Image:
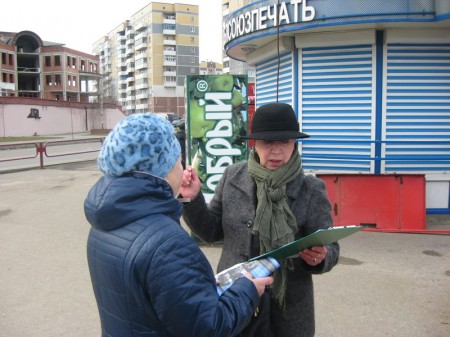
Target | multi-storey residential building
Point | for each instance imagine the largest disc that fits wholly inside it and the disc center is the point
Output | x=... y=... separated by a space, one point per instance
x=31 y=67
x=210 y=68
x=231 y=65
x=144 y=61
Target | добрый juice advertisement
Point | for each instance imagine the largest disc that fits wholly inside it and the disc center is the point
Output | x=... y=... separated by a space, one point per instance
x=216 y=118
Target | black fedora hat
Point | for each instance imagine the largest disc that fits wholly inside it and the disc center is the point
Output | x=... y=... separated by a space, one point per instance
x=275 y=121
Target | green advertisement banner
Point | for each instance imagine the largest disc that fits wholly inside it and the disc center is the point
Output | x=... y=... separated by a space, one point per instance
x=216 y=118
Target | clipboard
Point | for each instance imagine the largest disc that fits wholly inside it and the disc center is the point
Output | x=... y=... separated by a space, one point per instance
x=320 y=237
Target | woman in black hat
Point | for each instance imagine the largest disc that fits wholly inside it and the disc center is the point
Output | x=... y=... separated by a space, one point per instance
x=261 y=205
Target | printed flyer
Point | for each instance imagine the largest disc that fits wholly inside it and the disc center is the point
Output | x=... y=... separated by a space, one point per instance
x=216 y=118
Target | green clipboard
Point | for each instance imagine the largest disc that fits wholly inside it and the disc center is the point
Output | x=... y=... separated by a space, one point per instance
x=320 y=237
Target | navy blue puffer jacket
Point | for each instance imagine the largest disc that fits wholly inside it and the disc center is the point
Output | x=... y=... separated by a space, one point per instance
x=149 y=276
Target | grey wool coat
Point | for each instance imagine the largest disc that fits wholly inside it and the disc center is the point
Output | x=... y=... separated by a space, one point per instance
x=229 y=217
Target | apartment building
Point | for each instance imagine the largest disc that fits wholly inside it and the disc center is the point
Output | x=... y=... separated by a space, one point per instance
x=32 y=67
x=210 y=68
x=144 y=61
x=231 y=65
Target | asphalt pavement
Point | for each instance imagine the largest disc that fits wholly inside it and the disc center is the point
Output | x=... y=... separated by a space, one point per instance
x=385 y=284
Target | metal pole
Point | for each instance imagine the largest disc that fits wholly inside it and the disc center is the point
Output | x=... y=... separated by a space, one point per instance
x=41 y=150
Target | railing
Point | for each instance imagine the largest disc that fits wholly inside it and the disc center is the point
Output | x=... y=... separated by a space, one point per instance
x=51 y=149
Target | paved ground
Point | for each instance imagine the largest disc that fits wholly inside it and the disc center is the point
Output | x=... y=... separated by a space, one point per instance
x=386 y=284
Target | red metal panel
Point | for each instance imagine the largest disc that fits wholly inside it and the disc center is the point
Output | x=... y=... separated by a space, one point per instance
x=392 y=202
x=412 y=202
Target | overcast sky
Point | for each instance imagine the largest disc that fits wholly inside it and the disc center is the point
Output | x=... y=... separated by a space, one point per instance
x=80 y=23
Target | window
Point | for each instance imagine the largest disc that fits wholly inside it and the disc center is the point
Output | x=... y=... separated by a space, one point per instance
x=57 y=79
x=48 y=61
x=11 y=78
x=48 y=79
x=11 y=59
x=193 y=29
x=192 y=59
x=71 y=62
x=83 y=65
x=4 y=58
x=4 y=78
x=71 y=79
x=168 y=26
x=192 y=39
x=93 y=67
x=170 y=79
x=57 y=61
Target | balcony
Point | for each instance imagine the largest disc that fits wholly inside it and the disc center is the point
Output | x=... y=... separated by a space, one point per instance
x=141 y=76
x=143 y=106
x=121 y=47
x=168 y=52
x=129 y=61
x=129 y=33
x=140 y=26
x=169 y=63
x=139 y=56
x=170 y=73
x=130 y=50
x=141 y=65
x=141 y=46
x=169 y=21
x=142 y=86
x=170 y=42
x=170 y=84
x=141 y=35
x=131 y=97
x=130 y=106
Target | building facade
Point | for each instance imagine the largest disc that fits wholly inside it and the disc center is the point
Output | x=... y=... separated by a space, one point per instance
x=31 y=67
x=370 y=82
x=210 y=68
x=144 y=61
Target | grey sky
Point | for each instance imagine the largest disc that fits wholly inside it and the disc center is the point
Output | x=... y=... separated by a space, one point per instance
x=79 y=24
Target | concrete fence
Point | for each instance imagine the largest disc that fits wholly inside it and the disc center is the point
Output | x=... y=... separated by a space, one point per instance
x=23 y=117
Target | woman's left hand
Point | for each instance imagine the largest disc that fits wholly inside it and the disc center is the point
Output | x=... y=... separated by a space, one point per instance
x=313 y=256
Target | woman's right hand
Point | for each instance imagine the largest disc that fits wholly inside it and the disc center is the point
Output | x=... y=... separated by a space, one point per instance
x=190 y=187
